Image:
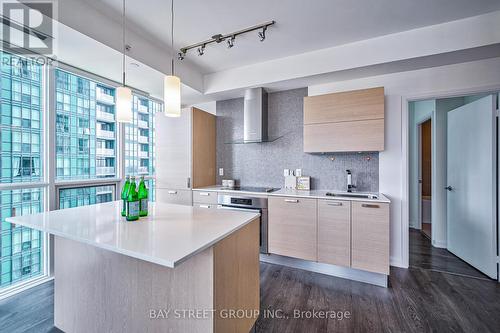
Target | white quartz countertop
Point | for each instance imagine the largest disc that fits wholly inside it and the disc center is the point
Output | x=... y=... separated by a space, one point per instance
x=314 y=194
x=168 y=236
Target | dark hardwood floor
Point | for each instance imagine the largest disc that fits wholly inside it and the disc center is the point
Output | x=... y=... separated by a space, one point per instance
x=418 y=300
x=424 y=255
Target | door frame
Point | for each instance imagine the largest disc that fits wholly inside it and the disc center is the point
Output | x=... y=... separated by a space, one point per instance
x=405 y=140
x=419 y=168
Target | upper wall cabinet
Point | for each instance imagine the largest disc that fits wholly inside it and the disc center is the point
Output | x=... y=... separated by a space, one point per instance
x=349 y=121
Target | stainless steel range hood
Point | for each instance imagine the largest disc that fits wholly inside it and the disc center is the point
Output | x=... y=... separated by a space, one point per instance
x=255 y=117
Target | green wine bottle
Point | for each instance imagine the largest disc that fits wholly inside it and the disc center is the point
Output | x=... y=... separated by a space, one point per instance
x=132 y=202
x=143 y=198
x=125 y=188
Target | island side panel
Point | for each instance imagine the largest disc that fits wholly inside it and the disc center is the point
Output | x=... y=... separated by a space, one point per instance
x=102 y=291
x=237 y=280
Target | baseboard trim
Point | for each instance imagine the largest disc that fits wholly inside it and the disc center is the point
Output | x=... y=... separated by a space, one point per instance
x=439 y=244
x=332 y=270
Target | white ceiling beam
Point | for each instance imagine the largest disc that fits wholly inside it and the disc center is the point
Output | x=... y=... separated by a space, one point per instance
x=472 y=32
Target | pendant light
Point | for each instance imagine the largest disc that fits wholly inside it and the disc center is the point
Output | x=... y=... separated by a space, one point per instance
x=172 y=83
x=123 y=93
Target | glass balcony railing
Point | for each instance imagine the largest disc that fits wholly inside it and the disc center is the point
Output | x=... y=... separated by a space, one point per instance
x=142 y=170
x=105 y=171
x=142 y=139
x=142 y=124
x=142 y=108
x=104 y=98
x=105 y=151
x=105 y=134
x=143 y=154
x=106 y=116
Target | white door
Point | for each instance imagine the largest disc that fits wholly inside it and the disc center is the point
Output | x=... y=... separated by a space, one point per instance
x=472 y=187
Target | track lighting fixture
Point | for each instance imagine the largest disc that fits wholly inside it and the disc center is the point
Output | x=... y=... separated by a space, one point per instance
x=229 y=38
x=201 y=50
x=230 y=42
x=262 y=34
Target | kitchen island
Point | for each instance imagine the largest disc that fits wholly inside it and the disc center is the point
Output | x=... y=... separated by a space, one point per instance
x=181 y=269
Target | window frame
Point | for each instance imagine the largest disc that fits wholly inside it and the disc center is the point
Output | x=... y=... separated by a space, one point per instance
x=48 y=183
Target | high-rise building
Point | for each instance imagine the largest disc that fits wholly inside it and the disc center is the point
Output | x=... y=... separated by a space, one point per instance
x=21 y=130
x=85 y=127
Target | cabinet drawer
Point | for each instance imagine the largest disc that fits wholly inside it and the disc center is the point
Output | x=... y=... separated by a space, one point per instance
x=205 y=197
x=179 y=197
x=205 y=205
x=370 y=237
x=293 y=227
x=334 y=232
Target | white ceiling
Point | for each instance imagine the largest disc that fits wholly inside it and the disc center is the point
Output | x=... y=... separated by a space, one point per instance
x=302 y=25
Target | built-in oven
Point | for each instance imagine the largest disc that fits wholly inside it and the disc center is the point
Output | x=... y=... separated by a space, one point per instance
x=248 y=204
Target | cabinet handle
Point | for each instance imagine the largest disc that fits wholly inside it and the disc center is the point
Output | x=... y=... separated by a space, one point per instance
x=292 y=200
x=369 y=206
x=172 y=192
x=204 y=206
x=188 y=183
x=206 y=194
x=334 y=204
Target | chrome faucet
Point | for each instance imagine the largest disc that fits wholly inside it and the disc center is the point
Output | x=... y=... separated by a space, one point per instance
x=350 y=186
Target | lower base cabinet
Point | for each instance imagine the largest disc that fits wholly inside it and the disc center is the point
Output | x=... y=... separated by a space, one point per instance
x=370 y=237
x=172 y=196
x=337 y=232
x=293 y=227
x=334 y=232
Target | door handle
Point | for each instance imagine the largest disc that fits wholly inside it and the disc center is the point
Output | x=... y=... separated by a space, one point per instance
x=448 y=188
x=206 y=194
x=292 y=200
x=334 y=204
x=172 y=192
x=369 y=206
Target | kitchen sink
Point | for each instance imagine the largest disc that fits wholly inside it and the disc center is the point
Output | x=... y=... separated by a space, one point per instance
x=353 y=195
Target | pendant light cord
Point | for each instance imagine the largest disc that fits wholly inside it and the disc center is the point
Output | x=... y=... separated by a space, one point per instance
x=172 y=34
x=123 y=43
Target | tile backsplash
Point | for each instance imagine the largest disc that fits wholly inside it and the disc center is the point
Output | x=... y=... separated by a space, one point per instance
x=262 y=164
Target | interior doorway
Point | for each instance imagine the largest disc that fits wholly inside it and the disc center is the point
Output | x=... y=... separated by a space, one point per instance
x=425 y=162
x=453 y=149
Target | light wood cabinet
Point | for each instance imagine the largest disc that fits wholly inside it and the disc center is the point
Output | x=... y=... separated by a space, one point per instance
x=185 y=153
x=344 y=122
x=334 y=232
x=293 y=227
x=370 y=237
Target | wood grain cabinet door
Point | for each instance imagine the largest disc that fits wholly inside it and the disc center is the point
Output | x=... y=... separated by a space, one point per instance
x=334 y=232
x=293 y=227
x=370 y=237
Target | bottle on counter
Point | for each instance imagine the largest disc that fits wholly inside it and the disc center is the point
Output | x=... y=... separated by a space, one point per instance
x=143 y=198
x=132 y=202
x=124 y=195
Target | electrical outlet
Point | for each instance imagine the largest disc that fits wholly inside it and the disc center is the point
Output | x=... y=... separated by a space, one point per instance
x=221 y=171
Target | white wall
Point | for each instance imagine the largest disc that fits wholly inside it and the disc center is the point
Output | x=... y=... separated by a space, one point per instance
x=427 y=83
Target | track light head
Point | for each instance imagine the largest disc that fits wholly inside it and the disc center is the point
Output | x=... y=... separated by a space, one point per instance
x=262 y=34
x=181 y=55
x=230 y=42
x=201 y=50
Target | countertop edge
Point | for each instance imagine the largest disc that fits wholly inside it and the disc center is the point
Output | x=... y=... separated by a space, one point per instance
x=282 y=193
x=153 y=260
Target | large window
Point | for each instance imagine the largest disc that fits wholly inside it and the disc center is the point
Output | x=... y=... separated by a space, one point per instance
x=86 y=140
x=86 y=128
x=21 y=171
x=83 y=196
